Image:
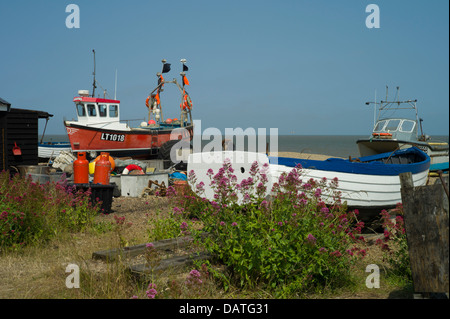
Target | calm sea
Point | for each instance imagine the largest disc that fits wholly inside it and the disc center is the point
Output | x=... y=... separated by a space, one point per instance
x=333 y=145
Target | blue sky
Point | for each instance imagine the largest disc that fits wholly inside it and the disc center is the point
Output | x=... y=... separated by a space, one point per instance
x=302 y=66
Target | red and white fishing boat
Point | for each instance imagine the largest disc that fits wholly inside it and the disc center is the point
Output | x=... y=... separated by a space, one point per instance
x=98 y=127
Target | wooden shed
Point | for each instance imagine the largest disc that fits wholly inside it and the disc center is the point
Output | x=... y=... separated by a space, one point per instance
x=19 y=135
x=4 y=110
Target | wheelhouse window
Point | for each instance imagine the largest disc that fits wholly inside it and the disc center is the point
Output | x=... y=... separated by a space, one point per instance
x=407 y=126
x=102 y=110
x=379 y=126
x=392 y=125
x=91 y=110
x=113 y=110
x=81 y=111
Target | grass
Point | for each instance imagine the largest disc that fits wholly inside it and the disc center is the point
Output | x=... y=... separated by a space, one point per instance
x=38 y=270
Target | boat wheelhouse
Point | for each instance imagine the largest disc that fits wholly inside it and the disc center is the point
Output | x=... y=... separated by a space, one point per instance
x=96 y=112
x=392 y=133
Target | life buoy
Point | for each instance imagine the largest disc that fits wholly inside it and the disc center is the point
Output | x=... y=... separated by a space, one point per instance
x=151 y=99
x=382 y=134
x=187 y=102
x=131 y=167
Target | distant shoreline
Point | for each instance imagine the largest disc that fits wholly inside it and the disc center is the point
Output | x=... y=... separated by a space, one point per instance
x=310 y=146
x=64 y=137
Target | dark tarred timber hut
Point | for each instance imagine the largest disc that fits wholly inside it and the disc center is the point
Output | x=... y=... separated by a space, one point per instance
x=19 y=135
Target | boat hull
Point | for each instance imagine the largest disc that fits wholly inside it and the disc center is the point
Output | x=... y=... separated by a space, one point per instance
x=143 y=142
x=46 y=150
x=437 y=151
x=370 y=182
x=359 y=191
x=362 y=185
x=241 y=163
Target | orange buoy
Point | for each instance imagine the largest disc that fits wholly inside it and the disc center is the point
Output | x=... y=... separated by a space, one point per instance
x=168 y=121
x=151 y=122
x=81 y=169
x=102 y=169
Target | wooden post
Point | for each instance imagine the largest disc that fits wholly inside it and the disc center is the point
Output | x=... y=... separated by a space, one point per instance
x=427 y=231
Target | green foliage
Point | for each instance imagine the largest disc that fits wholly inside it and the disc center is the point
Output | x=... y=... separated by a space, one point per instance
x=31 y=212
x=293 y=240
x=395 y=245
x=102 y=227
x=164 y=227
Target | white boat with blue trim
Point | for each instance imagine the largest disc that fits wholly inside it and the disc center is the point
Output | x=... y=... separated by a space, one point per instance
x=50 y=150
x=368 y=182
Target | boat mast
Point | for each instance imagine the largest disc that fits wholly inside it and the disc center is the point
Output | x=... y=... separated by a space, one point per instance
x=93 y=84
x=160 y=89
x=386 y=105
x=115 y=87
x=375 y=110
x=183 y=92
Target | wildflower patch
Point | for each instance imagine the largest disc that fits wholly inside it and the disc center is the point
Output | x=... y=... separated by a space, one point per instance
x=31 y=212
x=291 y=242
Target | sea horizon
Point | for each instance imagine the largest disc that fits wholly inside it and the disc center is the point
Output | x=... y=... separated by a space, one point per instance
x=332 y=145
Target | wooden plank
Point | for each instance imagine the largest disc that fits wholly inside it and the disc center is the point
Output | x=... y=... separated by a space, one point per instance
x=142 y=270
x=133 y=251
x=372 y=238
x=427 y=229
